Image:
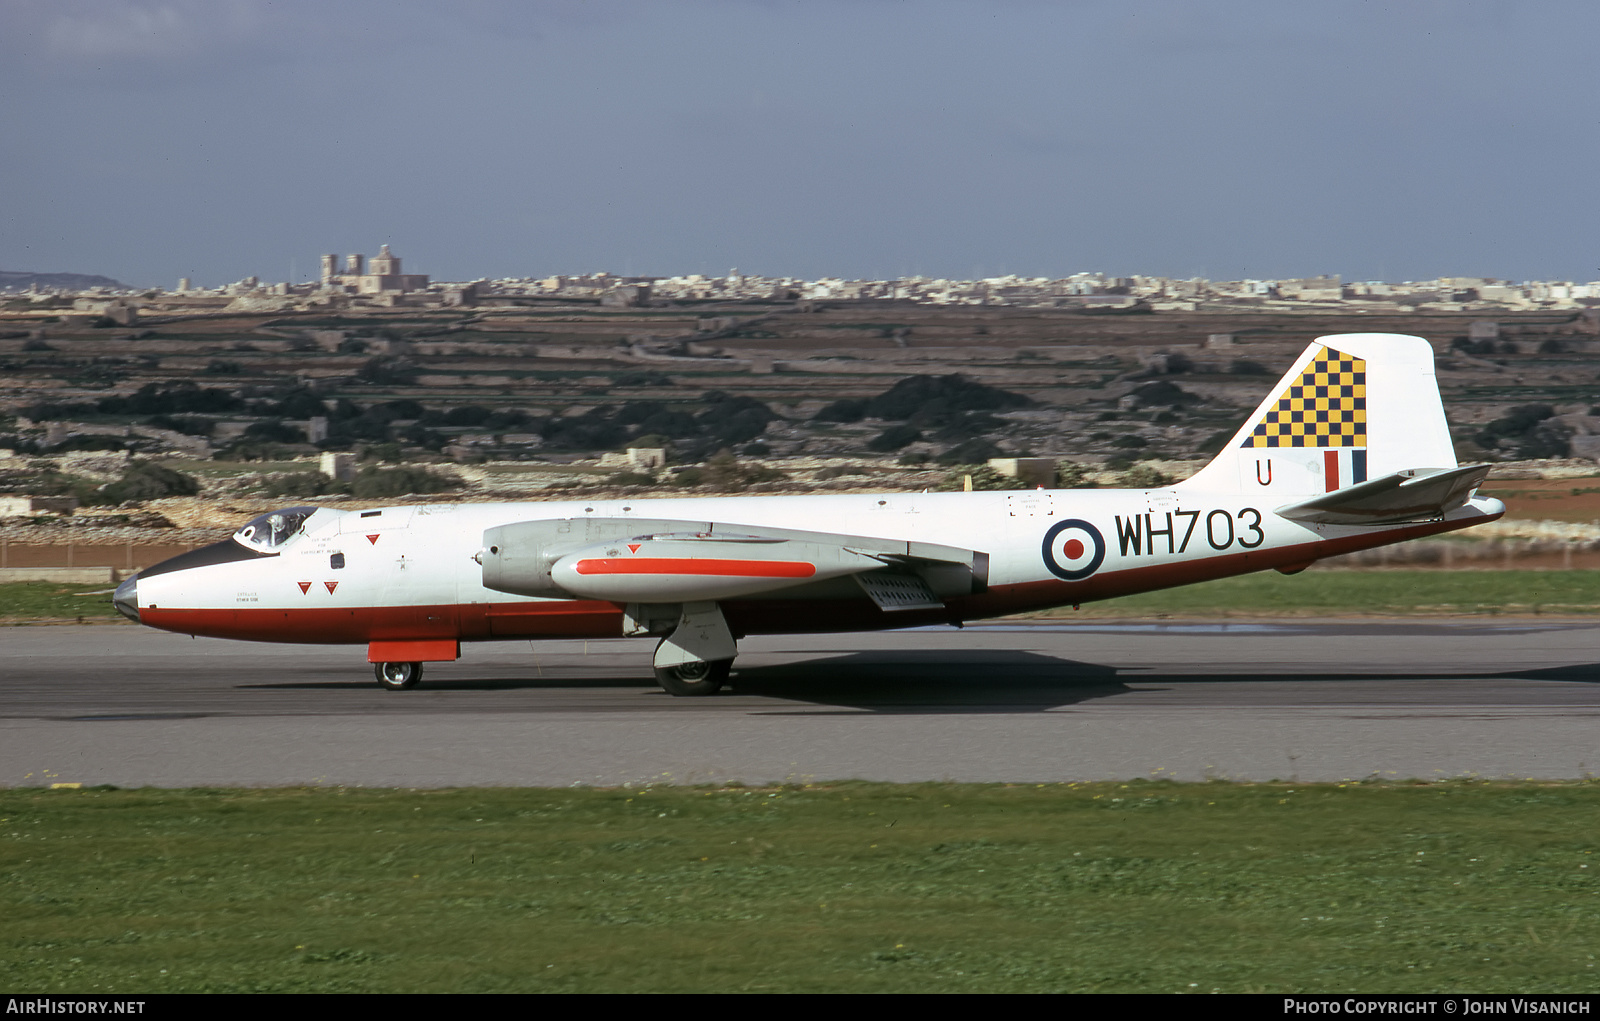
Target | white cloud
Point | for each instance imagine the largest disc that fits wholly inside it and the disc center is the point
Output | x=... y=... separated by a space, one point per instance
x=133 y=30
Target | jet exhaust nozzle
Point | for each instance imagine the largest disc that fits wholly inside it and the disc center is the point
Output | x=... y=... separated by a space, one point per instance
x=126 y=599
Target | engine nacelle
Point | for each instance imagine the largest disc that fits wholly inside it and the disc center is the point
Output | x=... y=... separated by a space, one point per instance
x=670 y=569
x=518 y=558
x=635 y=560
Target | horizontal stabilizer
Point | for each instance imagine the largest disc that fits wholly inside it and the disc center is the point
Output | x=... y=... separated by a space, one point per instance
x=1417 y=494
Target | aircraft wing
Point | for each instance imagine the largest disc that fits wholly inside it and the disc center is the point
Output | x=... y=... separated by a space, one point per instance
x=629 y=560
x=1418 y=494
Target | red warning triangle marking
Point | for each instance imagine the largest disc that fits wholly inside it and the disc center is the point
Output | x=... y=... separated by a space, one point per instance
x=331 y=586
x=305 y=586
x=373 y=539
x=633 y=547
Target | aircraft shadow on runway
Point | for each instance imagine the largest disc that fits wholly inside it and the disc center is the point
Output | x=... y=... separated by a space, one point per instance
x=1586 y=673
x=1009 y=682
x=958 y=681
x=964 y=681
x=942 y=681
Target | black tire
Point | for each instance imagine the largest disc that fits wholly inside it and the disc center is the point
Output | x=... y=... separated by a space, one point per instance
x=397 y=676
x=697 y=678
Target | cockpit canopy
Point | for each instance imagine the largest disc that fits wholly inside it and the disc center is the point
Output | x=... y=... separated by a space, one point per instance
x=271 y=530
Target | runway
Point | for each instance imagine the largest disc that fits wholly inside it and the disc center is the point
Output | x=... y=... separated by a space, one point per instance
x=1022 y=703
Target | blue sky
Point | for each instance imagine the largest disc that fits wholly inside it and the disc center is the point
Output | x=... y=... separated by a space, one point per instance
x=217 y=139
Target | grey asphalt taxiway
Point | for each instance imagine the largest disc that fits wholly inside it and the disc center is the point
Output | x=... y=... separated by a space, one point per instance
x=1025 y=702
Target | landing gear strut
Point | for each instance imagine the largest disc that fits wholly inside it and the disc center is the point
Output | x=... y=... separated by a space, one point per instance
x=397 y=676
x=695 y=658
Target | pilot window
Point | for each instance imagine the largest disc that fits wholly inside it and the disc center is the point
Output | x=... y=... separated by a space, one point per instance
x=269 y=531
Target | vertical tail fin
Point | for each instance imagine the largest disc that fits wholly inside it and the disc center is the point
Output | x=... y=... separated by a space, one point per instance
x=1353 y=407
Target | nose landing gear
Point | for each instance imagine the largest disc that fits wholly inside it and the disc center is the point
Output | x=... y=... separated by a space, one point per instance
x=397 y=676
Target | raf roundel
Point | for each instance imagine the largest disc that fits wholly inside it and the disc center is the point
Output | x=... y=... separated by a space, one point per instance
x=1073 y=549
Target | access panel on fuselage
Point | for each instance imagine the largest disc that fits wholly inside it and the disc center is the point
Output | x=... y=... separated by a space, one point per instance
x=405 y=557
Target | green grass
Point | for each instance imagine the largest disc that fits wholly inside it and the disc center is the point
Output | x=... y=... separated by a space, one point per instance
x=22 y=601
x=1387 y=593
x=1141 y=886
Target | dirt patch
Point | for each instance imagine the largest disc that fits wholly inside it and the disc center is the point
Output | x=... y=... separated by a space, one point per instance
x=1573 y=500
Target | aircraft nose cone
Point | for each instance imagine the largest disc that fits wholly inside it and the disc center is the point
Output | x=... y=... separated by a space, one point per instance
x=126 y=598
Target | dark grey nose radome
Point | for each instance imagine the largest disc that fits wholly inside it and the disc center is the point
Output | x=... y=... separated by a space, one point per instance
x=126 y=598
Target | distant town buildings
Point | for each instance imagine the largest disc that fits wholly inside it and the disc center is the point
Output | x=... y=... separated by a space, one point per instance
x=382 y=282
x=384 y=277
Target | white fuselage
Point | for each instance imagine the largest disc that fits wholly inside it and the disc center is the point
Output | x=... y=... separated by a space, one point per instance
x=416 y=572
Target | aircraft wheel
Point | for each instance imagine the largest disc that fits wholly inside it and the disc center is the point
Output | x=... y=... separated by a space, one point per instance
x=398 y=676
x=697 y=678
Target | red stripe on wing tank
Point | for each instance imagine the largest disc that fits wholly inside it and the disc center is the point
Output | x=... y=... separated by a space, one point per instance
x=697 y=566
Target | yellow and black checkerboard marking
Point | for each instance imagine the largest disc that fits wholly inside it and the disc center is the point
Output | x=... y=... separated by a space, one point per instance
x=1326 y=407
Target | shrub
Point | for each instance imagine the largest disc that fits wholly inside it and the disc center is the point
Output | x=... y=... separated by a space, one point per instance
x=847 y=410
x=645 y=378
x=984 y=479
x=299 y=402
x=375 y=482
x=146 y=480
x=894 y=437
x=1527 y=432
x=189 y=425
x=244 y=450
x=180 y=397
x=270 y=431
x=732 y=419
x=1161 y=393
x=468 y=415
x=971 y=452
x=387 y=372
x=725 y=474
x=389 y=452
x=1144 y=476
x=1214 y=443
x=957 y=392
x=299 y=484
x=1070 y=475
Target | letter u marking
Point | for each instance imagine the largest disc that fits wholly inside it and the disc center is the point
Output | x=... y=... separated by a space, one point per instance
x=1268 y=480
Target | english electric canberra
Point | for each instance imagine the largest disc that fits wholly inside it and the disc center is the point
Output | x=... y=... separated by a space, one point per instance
x=1349 y=451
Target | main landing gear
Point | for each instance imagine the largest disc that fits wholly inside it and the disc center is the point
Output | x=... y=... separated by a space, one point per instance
x=694 y=678
x=397 y=676
x=696 y=657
